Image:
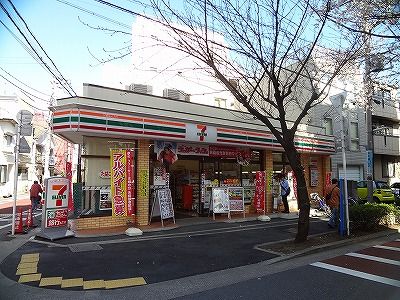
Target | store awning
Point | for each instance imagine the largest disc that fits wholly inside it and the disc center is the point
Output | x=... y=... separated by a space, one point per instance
x=140 y=116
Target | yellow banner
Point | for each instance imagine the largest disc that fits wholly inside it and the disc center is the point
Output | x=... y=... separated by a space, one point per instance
x=119 y=197
x=143 y=183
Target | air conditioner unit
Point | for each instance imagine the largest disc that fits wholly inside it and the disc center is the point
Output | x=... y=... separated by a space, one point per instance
x=140 y=88
x=176 y=94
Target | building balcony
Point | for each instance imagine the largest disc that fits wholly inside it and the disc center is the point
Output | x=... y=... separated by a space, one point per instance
x=386 y=109
x=387 y=145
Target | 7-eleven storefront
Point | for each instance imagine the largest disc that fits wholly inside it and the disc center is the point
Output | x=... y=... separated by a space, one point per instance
x=132 y=143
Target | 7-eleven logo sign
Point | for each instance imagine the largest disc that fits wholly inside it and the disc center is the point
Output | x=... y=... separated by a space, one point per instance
x=57 y=192
x=60 y=196
x=202 y=133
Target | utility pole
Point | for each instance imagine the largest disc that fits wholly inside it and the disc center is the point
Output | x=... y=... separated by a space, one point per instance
x=16 y=160
x=338 y=102
x=368 y=88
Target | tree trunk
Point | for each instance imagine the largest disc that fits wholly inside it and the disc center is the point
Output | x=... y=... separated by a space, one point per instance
x=303 y=200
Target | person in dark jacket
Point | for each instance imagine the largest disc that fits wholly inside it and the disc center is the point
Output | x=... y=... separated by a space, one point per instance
x=332 y=198
x=285 y=191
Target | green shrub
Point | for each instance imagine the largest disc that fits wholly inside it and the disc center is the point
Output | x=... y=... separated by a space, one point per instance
x=369 y=216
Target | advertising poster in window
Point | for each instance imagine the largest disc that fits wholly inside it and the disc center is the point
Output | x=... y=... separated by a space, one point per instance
x=259 y=195
x=220 y=200
x=166 y=153
x=105 y=200
x=121 y=182
x=314 y=177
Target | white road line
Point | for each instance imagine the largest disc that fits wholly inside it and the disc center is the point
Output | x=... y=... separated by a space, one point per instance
x=375 y=258
x=4 y=226
x=358 y=274
x=387 y=248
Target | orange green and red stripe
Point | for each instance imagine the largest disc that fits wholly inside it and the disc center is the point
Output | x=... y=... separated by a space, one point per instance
x=84 y=120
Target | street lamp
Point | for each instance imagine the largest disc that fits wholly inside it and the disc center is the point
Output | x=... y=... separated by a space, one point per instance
x=338 y=101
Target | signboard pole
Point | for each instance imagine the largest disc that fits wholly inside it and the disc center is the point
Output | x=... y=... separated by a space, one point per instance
x=15 y=178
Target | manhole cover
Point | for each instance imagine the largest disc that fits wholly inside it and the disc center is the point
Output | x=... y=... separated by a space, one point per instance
x=84 y=247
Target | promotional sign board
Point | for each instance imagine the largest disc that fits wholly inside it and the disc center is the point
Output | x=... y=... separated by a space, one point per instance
x=55 y=214
x=220 y=200
x=68 y=172
x=236 y=199
x=122 y=182
x=162 y=205
x=259 y=195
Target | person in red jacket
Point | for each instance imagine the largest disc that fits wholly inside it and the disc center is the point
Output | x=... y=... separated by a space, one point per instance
x=35 y=190
x=332 y=198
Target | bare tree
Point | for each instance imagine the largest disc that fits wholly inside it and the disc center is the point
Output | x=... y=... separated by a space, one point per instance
x=379 y=22
x=283 y=54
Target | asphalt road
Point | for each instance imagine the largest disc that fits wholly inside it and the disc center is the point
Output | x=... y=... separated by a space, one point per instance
x=371 y=273
x=157 y=256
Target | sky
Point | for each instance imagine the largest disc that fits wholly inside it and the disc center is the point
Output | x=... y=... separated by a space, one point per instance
x=59 y=29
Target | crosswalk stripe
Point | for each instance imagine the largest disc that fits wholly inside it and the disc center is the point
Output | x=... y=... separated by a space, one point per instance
x=375 y=258
x=387 y=248
x=358 y=274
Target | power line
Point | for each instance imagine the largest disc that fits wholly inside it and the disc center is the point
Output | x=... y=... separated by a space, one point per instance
x=26 y=94
x=52 y=62
x=34 y=54
x=25 y=84
x=95 y=14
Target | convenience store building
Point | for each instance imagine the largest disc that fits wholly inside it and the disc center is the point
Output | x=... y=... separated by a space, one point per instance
x=210 y=147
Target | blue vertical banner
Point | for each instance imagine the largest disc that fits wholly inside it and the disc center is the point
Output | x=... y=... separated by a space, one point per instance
x=370 y=162
x=342 y=210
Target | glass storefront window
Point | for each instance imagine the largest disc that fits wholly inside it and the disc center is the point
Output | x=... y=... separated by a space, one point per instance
x=230 y=173
x=249 y=174
x=210 y=170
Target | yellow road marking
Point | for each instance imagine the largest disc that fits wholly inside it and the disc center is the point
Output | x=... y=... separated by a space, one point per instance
x=26 y=265
x=29 y=259
x=93 y=284
x=30 y=255
x=46 y=281
x=30 y=278
x=73 y=282
x=112 y=284
x=26 y=271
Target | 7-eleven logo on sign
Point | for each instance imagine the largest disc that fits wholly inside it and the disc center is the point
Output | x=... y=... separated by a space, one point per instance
x=61 y=195
x=57 y=192
x=202 y=132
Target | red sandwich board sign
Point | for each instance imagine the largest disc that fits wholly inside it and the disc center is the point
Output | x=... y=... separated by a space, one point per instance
x=55 y=213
